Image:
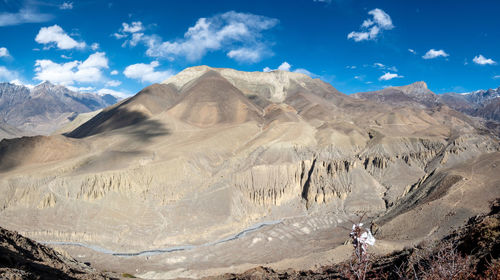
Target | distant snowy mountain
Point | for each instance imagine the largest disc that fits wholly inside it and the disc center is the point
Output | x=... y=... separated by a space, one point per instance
x=45 y=107
x=482 y=96
x=479 y=103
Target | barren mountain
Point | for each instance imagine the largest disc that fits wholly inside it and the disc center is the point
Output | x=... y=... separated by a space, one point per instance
x=46 y=107
x=416 y=94
x=227 y=169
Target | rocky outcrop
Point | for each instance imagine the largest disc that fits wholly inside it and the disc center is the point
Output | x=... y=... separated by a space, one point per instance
x=23 y=258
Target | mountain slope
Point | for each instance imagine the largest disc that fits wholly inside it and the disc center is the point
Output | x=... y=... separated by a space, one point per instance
x=7 y=131
x=44 y=108
x=211 y=100
x=150 y=101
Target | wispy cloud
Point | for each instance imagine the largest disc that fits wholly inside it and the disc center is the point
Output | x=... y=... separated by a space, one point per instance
x=247 y=54
x=66 y=6
x=385 y=67
x=24 y=15
x=113 y=83
x=372 y=27
x=239 y=35
x=481 y=60
x=412 y=51
x=7 y=75
x=432 y=53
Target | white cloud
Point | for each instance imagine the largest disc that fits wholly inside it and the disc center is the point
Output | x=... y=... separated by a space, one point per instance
x=389 y=76
x=246 y=54
x=238 y=34
x=68 y=73
x=120 y=94
x=134 y=27
x=351 y=67
x=66 y=6
x=119 y=35
x=371 y=28
x=481 y=60
x=114 y=72
x=6 y=74
x=383 y=66
x=134 y=30
x=306 y=72
x=25 y=15
x=146 y=72
x=94 y=46
x=4 y=52
x=55 y=34
x=81 y=89
x=432 y=53
x=285 y=66
x=113 y=83
x=412 y=51
x=496 y=77
x=65 y=56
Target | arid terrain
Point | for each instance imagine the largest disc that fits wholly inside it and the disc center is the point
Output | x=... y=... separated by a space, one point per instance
x=218 y=171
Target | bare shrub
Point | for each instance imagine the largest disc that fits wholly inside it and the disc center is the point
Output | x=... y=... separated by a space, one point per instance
x=446 y=263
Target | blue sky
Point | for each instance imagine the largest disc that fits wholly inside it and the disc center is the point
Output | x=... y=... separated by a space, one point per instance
x=123 y=46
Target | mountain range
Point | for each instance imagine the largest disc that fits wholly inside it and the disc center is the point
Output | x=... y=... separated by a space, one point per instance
x=44 y=108
x=217 y=170
x=480 y=103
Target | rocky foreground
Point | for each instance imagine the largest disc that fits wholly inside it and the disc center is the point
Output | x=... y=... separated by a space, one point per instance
x=23 y=258
x=472 y=252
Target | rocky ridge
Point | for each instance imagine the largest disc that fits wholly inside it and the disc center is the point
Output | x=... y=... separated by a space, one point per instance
x=23 y=258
